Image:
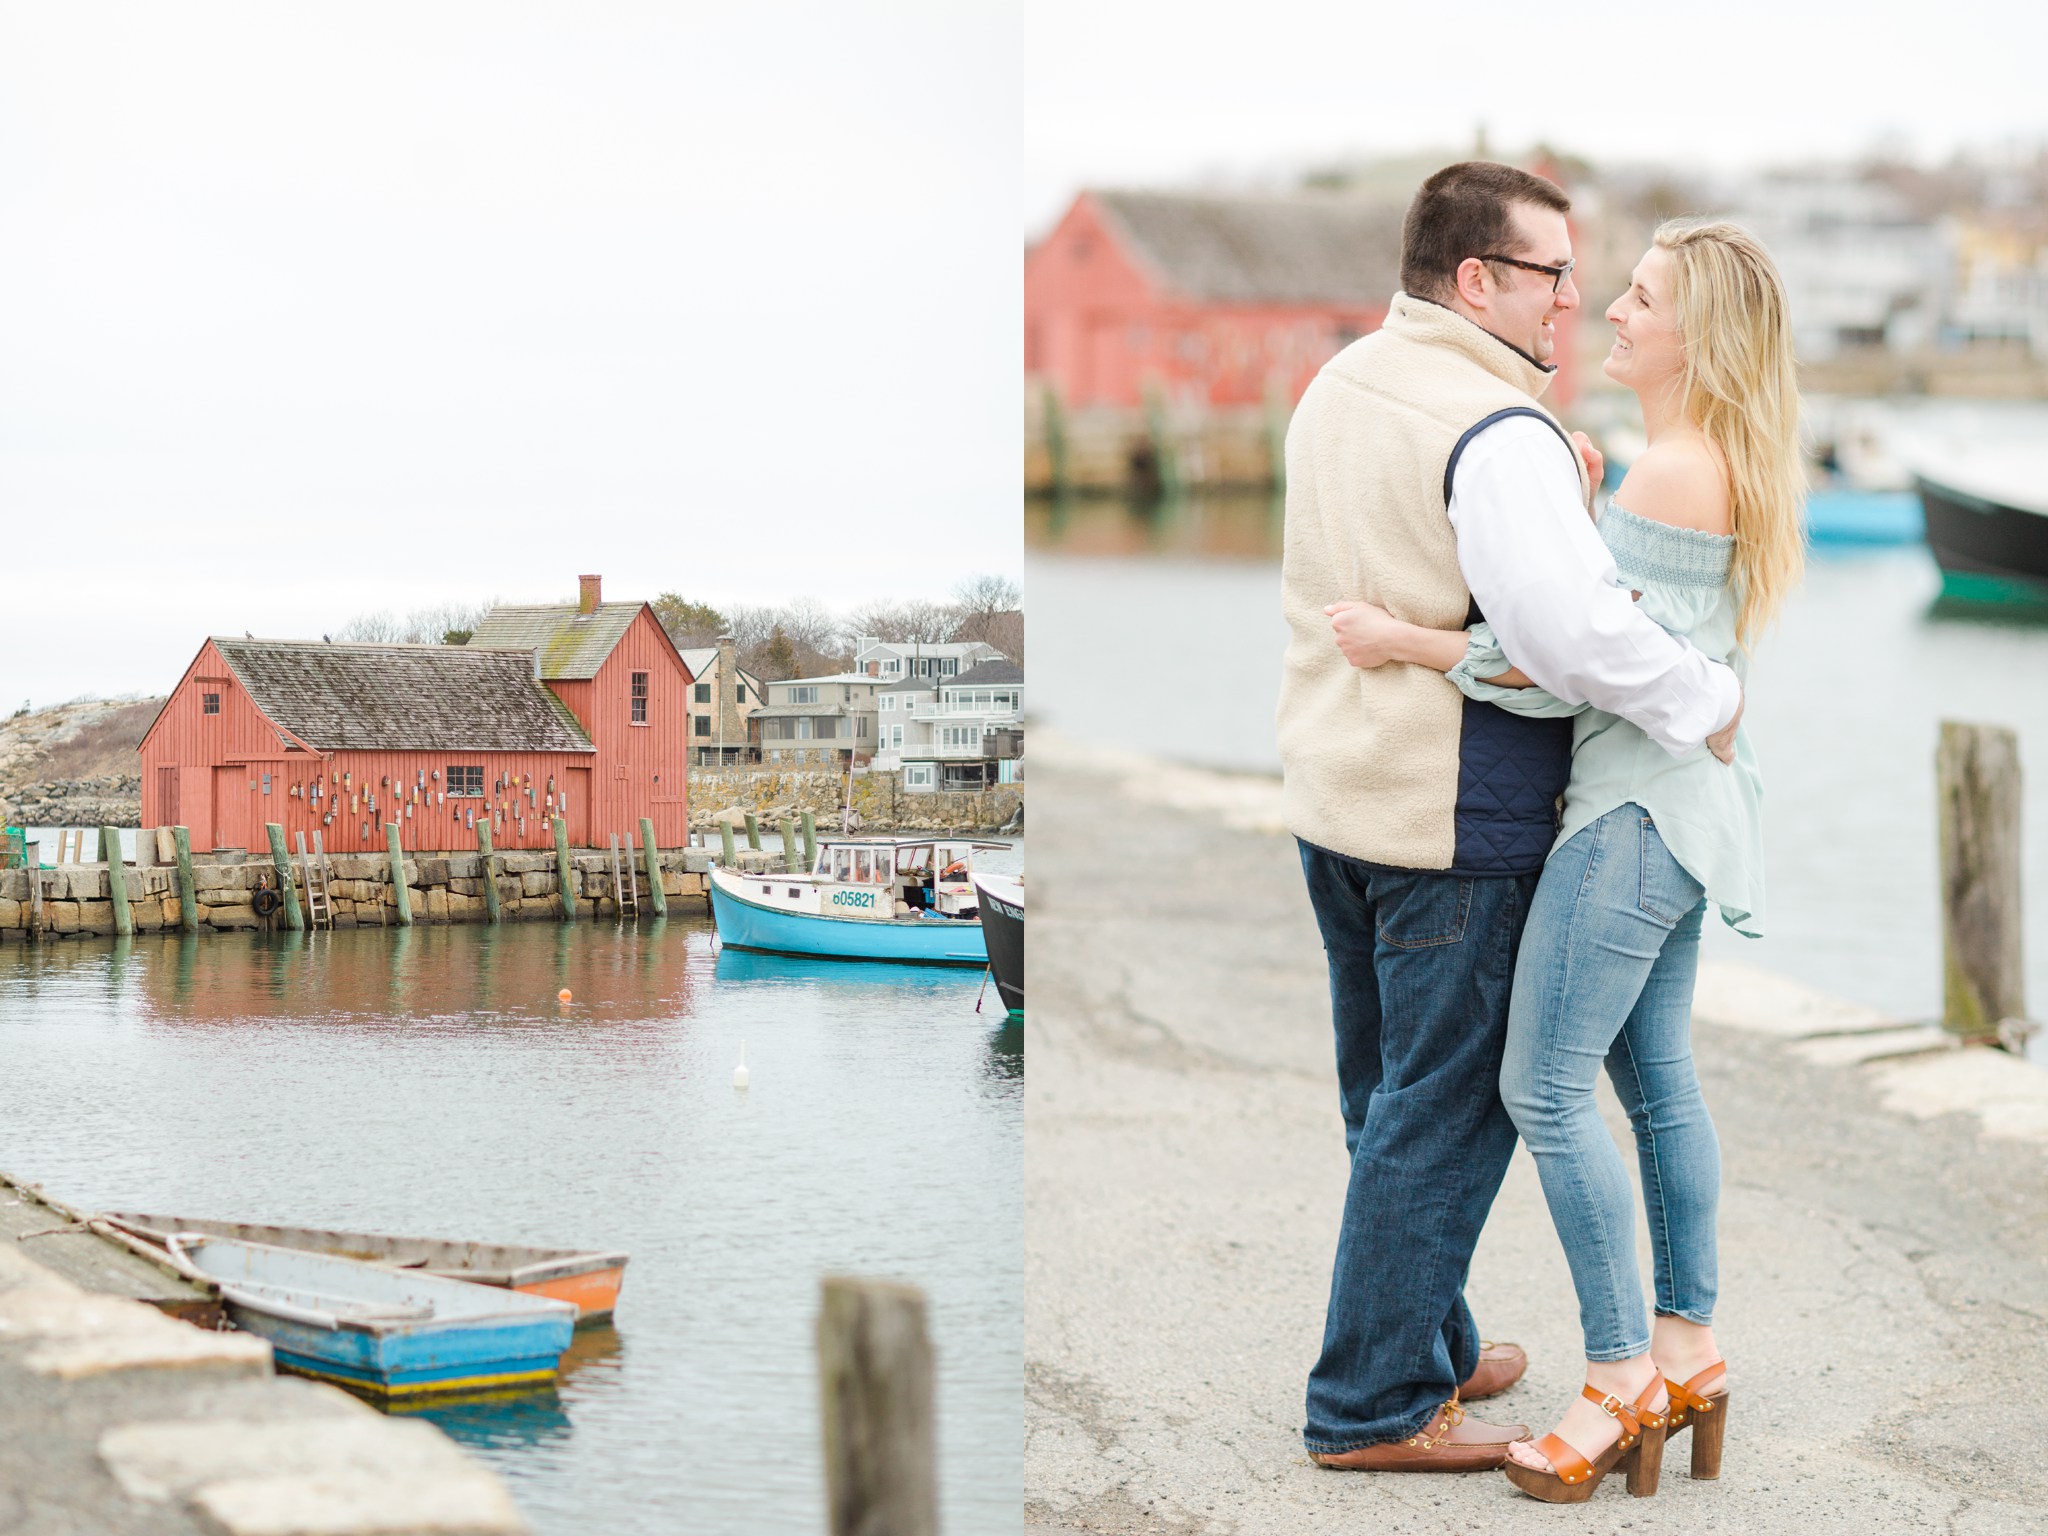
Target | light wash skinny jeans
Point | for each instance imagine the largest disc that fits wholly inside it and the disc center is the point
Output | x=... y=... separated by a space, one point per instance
x=1605 y=973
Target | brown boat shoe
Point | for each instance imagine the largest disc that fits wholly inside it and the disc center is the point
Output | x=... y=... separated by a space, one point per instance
x=1500 y=1367
x=1449 y=1442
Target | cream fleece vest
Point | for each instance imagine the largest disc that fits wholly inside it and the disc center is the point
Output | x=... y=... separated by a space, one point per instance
x=1372 y=757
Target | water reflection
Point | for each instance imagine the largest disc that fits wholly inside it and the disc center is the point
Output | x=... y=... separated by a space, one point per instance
x=429 y=1082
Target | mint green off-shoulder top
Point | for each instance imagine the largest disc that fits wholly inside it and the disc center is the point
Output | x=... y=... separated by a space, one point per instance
x=1709 y=813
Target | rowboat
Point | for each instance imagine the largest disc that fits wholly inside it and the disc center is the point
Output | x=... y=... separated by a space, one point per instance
x=877 y=898
x=384 y=1332
x=589 y=1279
x=1002 y=920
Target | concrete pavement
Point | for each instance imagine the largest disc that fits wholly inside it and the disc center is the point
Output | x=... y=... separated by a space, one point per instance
x=1884 y=1224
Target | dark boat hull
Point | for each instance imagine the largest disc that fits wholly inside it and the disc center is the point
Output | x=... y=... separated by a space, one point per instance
x=1002 y=926
x=1982 y=544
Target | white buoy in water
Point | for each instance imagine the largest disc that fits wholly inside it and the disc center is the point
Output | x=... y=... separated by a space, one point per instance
x=739 y=1073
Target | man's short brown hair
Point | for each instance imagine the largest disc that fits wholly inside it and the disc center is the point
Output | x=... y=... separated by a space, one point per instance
x=1466 y=210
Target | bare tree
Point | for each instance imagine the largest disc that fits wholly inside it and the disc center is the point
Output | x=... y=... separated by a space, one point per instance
x=444 y=624
x=991 y=610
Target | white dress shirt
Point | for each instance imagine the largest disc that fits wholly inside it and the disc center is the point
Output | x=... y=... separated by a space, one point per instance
x=1548 y=586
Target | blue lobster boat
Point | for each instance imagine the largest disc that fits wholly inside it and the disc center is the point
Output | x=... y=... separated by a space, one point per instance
x=386 y=1333
x=909 y=900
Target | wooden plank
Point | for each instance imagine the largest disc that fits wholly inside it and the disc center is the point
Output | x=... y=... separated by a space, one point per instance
x=489 y=861
x=656 y=895
x=117 y=880
x=188 y=894
x=1977 y=773
x=875 y=1388
x=565 y=873
x=95 y=1262
x=402 y=894
x=281 y=862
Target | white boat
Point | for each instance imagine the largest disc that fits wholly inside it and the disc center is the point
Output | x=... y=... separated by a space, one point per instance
x=907 y=899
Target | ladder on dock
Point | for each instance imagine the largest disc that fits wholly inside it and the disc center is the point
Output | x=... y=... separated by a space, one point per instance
x=625 y=884
x=319 y=904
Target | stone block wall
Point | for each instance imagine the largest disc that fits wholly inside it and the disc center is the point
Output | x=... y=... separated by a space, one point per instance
x=445 y=888
x=879 y=798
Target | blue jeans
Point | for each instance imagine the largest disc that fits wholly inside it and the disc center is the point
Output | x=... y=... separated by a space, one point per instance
x=1606 y=975
x=1421 y=966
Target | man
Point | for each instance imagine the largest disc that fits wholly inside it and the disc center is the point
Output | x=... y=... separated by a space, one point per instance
x=1423 y=476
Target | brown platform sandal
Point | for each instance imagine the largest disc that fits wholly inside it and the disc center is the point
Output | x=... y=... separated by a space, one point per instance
x=1705 y=1414
x=1640 y=1451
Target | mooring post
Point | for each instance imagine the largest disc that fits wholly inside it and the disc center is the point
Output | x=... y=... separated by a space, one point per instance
x=398 y=886
x=489 y=862
x=117 y=880
x=753 y=832
x=647 y=846
x=1977 y=772
x=792 y=849
x=188 y=894
x=810 y=841
x=565 y=873
x=732 y=858
x=281 y=861
x=875 y=1387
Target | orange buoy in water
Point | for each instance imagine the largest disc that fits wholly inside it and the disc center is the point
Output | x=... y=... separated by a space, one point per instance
x=562 y=996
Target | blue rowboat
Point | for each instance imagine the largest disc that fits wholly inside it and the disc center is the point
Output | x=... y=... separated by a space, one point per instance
x=815 y=915
x=387 y=1333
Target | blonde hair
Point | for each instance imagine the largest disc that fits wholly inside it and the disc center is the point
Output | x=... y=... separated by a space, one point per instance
x=1741 y=389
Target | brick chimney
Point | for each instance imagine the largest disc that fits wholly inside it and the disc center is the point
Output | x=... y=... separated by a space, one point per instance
x=589 y=596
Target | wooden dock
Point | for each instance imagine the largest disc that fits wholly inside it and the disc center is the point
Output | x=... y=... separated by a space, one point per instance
x=56 y=1237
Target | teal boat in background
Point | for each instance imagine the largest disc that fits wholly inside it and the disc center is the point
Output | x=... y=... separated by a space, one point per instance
x=908 y=900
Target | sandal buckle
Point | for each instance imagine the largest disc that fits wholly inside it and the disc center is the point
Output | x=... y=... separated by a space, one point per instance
x=1611 y=1406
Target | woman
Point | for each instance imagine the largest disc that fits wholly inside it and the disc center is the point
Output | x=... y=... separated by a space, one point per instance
x=1705 y=531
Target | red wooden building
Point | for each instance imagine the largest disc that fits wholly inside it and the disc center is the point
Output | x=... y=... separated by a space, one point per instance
x=1216 y=299
x=578 y=709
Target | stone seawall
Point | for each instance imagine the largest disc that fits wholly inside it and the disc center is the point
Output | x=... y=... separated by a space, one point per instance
x=879 y=799
x=444 y=887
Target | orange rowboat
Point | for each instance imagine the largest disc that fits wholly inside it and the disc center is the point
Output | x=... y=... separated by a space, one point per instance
x=589 y=1279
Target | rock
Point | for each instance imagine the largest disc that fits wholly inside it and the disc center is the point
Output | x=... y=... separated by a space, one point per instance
x=60 y=916
x=95 y=917
x=12 y=914
x=230 y=917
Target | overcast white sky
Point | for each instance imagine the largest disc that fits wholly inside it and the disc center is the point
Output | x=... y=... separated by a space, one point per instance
x=1150 y=94
x=312 y=310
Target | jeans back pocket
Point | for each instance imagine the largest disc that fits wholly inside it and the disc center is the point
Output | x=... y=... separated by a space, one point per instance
x=1667 y=892
x=1418 y=911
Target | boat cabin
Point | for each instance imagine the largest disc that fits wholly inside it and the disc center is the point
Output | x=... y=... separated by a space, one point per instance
x=920 y=874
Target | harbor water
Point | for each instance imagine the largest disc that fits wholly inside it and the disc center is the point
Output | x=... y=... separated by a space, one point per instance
x=428 y=1081
x=1846 y=697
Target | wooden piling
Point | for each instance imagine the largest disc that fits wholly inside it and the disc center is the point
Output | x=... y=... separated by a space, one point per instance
x=753 y=832
x=657 y=897
x=489 y=862
x=792 y=848
x=35 y=890
x=732 y=858
x=1977 y=773
x=188 y=894
x=810 y=841
x=117 y=879
x=565 y=872
x=281 y=861
x=398 y=885
x=875 y=1387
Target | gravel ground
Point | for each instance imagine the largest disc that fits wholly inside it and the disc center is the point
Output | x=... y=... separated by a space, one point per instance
x=1884 y=1294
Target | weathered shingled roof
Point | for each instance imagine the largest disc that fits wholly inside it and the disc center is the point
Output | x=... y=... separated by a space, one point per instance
x=988 y=672
x=572 y=647
x=403 y=698
x=1306 y=247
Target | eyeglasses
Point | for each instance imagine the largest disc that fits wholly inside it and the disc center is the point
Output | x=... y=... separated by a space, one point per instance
x=1556 y=274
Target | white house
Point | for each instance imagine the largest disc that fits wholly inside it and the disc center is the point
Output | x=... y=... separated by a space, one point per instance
x=971 y=735
x=817 y=721
x=893 y=659
x=898 y=707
